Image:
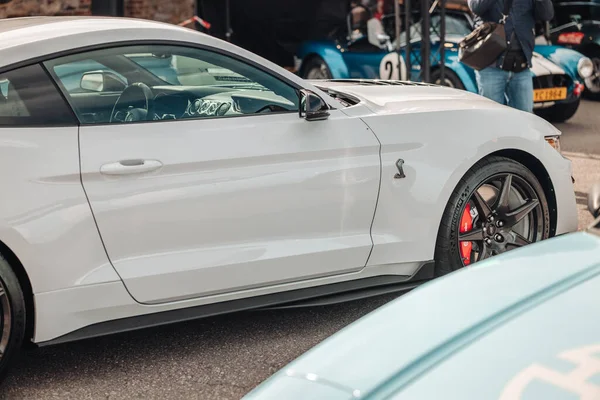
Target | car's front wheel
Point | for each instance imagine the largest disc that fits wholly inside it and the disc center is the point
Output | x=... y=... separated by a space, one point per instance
x=592 y=84
x=316 y=68
x=450 y=79
x=499 y=205
x=12 y=316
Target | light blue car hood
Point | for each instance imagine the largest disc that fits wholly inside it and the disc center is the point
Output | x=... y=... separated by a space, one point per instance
x=468 y=335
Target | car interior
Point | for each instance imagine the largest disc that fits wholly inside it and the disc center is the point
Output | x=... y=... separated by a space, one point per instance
x=11 y=104
x=364 y=32
x=151 y=86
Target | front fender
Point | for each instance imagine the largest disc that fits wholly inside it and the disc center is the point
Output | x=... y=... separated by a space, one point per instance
x=329 y=52
x=438 y=149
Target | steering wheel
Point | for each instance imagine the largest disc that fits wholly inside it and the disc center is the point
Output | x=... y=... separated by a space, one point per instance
x=136 y=103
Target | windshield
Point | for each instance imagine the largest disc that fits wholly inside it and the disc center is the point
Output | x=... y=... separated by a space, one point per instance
x=567 y=12
x=177 y=70
x=165 y=69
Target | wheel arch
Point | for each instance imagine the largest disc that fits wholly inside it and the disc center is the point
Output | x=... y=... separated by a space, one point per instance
x=464 y=73
x=26 y=287
x=305 y=61
x=447 y=69
x=542 y=175
x=329 y=53
x=537 y=169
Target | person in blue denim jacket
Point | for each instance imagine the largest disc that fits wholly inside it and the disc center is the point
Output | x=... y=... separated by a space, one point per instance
x=509 y=79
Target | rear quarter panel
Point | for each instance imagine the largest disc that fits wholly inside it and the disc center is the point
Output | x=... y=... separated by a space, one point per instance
x=45 y=218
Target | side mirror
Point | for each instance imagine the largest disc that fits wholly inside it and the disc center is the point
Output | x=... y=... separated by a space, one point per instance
x=312 y=107
x=594 y=200
x=102 y=81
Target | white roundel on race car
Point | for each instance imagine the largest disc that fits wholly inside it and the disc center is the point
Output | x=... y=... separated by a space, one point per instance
x=541 y=66
x=389 y=67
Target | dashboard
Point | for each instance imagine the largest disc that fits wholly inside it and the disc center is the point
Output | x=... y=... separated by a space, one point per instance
x=181 y=102
x=209 y=107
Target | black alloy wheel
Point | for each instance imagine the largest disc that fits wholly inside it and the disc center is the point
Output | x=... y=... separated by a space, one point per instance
x=498 y=206
x=498 y=226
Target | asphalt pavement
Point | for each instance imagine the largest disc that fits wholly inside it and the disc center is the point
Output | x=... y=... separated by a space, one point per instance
x=225 y=357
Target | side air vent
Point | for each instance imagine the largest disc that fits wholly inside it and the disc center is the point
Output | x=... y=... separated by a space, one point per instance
x=344 y=98
x=381 y=82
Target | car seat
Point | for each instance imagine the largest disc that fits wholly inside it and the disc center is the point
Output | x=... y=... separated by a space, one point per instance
x=11 y=104
x=193 y=72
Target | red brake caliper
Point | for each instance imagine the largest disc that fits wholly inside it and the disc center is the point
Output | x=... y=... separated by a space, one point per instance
x=466 y=223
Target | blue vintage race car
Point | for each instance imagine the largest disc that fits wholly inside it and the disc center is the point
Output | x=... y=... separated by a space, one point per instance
x=364 y=49
x=519 y=326
x=576 y=25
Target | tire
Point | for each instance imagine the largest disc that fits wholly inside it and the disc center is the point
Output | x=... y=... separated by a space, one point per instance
x=316 y=68
x=592 y=85
x=480 y=179
x=559 y=112
x=450 y=79
x=12 y=326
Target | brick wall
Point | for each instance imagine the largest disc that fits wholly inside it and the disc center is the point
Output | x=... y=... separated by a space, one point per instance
x=173 y=11
x=23 y=8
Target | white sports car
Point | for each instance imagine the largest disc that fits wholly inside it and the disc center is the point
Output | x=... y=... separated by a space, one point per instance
x=153 y=174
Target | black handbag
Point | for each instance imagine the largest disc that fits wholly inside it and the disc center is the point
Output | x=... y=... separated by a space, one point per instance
x=482 y=47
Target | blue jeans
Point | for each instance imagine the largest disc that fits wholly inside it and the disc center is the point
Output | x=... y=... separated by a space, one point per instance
x=508 y=88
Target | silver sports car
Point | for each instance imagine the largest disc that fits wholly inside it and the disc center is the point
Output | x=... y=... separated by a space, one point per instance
x=154 y=174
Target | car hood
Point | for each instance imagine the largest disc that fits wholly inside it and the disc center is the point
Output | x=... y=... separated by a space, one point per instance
x=502 y=309
x=394 y=97
x=563 y=57
x=542 y=66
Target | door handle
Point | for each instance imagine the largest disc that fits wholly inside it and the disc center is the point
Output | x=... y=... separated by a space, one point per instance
x=128 y=167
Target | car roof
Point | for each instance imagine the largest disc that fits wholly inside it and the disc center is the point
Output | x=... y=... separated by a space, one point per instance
x=27 y=40
x=48 y=27
x=32 y=38
x=403 y=341
x=9 y=24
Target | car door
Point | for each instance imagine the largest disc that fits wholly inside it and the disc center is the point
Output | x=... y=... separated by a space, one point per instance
x=219 y=186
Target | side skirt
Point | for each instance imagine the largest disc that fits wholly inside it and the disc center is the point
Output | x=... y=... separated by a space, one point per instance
x=313 y=296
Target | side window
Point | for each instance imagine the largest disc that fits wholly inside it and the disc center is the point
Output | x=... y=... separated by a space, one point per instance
x=29 y=98
x=160 y=82
x=70 y=74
